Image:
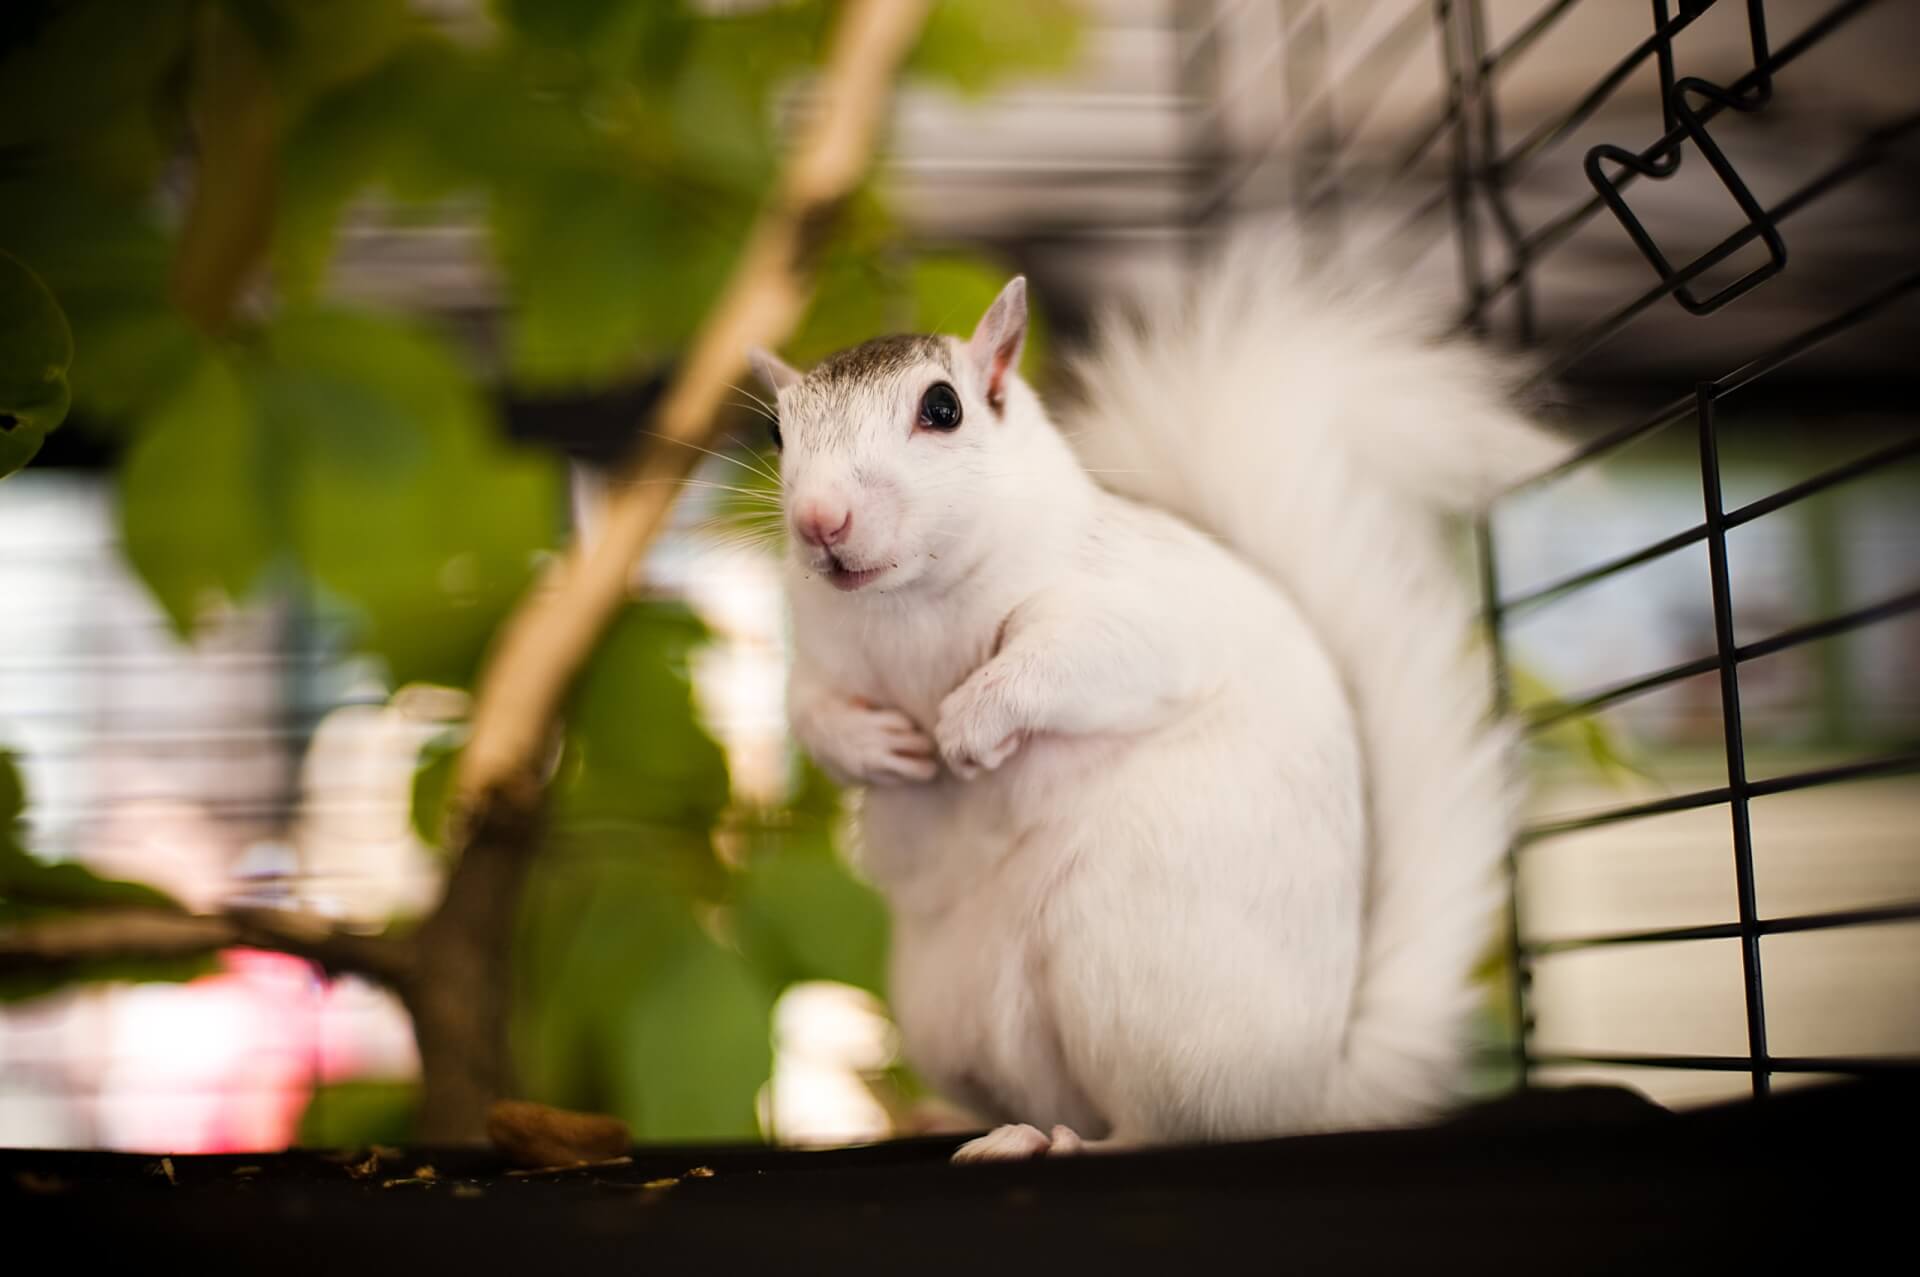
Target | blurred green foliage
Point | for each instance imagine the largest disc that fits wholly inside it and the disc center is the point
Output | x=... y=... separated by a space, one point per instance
x=30 y=888
x=35 y=348
x=609 y=155
x=356 y=1114
x=1582 y=741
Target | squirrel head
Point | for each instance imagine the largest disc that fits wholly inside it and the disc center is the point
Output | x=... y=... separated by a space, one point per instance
x=900 y=457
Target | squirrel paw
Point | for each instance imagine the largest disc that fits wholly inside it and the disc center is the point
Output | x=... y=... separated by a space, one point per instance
x=866 y=744
x=974 y=732
x=1018 y=1144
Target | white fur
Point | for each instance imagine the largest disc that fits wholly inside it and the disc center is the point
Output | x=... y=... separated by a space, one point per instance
x=1211 y=851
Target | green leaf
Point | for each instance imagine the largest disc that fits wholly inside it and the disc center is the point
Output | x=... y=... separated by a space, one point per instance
x=860 y=289
x=672 y=1031
x=636 y=760
x=13 y=795
x=106 y=261
x=433 y=774
x=30 y=887
x=606 y=272
x=200 y=492
x=36 y=346
x=360 y=446
x=574 y=24
x=714 y=83
x=801 y=915
x=799 y=912
x=358 y=1113
x=405 y=502
x=1586 y=738
x=626 y=1004
x=57 y=68
x=816 y=802
x=311 y=44
x=419 y=127
x=974 y=44
x=35 y=982
x=83 y=91
x=1493 y=1069
x=697 y=1044
x=594 y=922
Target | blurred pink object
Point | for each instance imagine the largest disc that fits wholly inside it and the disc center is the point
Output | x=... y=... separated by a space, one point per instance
x=228 y=1062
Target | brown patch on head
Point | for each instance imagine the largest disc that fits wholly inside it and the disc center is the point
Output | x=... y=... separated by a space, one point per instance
x=880 y=358
x=829 y=406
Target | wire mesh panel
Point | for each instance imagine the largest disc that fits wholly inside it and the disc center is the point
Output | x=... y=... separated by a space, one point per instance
x=1726 y=661
x=1690 y=106
x=1646 y=195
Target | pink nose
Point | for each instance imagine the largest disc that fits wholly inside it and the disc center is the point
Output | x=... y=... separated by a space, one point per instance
x=824 y=525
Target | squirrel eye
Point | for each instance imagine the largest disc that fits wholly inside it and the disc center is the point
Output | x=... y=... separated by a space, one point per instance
x=773 y=428
x=940 y=407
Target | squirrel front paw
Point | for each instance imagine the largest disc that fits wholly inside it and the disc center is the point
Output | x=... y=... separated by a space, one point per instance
x=862 y=744
x=975 y=732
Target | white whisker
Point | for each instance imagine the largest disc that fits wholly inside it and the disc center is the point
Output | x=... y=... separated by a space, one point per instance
x=759 y=470
x=755 y=409
x=772 y=412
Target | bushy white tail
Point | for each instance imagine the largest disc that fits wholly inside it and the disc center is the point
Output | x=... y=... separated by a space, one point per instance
x=1319 y=426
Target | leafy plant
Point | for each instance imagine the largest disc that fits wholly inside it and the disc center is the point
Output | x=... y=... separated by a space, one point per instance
x=35 y=348
x=182 y=174
x=32 y=889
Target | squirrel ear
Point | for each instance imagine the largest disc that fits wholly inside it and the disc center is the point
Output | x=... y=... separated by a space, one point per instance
x=995 y=346
x=773 y=371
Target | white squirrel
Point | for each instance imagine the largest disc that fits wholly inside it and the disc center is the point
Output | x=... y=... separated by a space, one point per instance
x=1181 y=782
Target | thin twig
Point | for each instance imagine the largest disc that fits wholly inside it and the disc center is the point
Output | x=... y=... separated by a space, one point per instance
x=493 y=822
x=96 y=934
x=571 y=1166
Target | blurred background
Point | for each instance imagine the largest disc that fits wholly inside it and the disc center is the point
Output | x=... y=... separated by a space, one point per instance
x=245 y=588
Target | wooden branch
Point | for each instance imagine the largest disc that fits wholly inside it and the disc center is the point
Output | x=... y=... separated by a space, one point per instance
x=116 y=933
x=543 y=646
x=156 y=933
x=318 y=940
x=460 y=990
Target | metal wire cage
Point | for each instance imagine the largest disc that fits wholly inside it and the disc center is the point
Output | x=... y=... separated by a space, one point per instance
x=1512 y=212
x=1689 y=105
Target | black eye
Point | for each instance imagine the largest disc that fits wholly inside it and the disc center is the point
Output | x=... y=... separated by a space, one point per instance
x=940 y=407
x=773 y=428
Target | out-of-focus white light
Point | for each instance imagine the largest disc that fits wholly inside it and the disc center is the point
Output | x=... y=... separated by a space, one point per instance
x=826 y=1036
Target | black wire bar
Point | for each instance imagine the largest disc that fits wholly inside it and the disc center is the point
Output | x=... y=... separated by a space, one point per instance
x=1732 y=930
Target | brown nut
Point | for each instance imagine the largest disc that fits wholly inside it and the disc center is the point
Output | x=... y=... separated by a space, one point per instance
x=534 y=1135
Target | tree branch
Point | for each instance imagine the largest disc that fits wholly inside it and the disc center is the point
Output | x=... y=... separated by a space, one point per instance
x=157 y=933
x=460 y=988
x=385 y=958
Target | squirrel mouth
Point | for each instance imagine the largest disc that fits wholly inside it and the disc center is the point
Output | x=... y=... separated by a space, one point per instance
x=843 y=577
